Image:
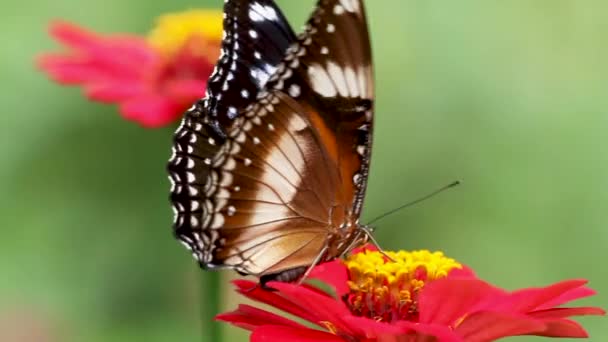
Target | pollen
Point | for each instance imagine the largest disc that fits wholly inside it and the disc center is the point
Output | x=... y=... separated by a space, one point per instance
x=385 y=286
x=200 y=28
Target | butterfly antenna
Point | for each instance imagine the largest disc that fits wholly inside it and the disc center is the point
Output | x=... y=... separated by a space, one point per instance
x=432 y=194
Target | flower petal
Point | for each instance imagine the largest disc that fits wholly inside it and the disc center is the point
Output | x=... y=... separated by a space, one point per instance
x=402 y=330
x=150 y=110
x=486 y=326
x=566 y=312
x=273 y=333
x=464 y=272
x=430 y=332
x=110 y=48
x=250 y=318
x=149 y=88
x=563 y=328
x=111 y=91
x=533 y=298
x=446 y=300
x=253 y=291
x=573 y=294
x=332 y=273
x=371 y=328
x=325 y=309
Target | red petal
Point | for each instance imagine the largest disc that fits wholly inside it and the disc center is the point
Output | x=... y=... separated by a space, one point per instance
x=446 y=300
x=250 y=318
x=71 y=70
x=115 y=91
x=531 y=299
x=89 y=43
x=486 y=326
x=272 y=333
x=333 y=273
x=372 y=328
x=150 y=111
x=324 y=308
x=72 y=35
x=563 y=328
x=464 y=272
x=566 y=312
x=112 y=57
x=253 y=291
x=184 y=91
x=431 y=332
x=362 y=249
x=402 y=330
x=577 y=293
x=126 y=70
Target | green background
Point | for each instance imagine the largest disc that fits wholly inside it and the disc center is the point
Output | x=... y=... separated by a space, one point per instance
x=508 y=96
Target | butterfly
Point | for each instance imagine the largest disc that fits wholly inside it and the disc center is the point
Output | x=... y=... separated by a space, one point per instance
x=269 y=169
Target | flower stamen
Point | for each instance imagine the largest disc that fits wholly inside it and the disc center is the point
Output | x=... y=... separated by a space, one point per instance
x=386 y=287
x=198 y=30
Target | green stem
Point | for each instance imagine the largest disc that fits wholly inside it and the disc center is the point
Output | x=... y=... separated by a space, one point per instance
x=210 y=306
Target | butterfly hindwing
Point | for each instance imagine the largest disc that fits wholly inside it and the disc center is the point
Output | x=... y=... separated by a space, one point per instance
x=263 y=197
x=331 y=68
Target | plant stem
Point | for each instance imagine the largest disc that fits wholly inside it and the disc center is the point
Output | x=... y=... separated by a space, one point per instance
x=210 y=306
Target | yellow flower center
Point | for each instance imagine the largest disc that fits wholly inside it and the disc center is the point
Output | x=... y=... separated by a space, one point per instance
x=387 y=289
x=198 y=30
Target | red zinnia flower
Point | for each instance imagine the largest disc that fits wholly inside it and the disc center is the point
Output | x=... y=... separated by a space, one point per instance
x=416 y=296
x=154 y=79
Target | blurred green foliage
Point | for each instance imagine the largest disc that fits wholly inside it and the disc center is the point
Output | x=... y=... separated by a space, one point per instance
x=509 y=97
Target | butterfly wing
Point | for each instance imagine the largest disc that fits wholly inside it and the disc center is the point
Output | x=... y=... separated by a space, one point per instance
x=331 y=68
x=278 y=182
x=256 y=35
x=258 y=204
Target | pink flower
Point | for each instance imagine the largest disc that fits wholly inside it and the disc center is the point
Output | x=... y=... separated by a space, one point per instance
x=415 y=296
x=153 y=80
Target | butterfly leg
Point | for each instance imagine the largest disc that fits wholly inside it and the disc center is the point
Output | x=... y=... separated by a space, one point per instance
x=356 y=242
x=314 y=263
x=367 y=231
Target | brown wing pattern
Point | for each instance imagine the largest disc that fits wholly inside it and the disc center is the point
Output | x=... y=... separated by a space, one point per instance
x=251 y=51
x=331 y=67
x=267 y=191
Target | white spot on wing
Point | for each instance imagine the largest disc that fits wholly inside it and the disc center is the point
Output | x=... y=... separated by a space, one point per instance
x=337 y=76
x=350 y=5
x=338 y=9
x=351 y=81
x=259 y=12
x=232 y=112
x=294 y=90
x=320 y=81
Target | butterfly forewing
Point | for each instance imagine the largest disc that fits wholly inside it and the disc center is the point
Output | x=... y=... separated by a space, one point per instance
x=266 y=184
x=256 y=35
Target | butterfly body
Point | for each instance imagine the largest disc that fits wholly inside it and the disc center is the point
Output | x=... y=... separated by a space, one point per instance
x=273 y=182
